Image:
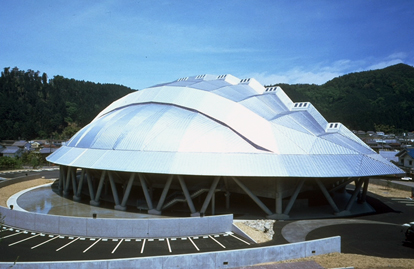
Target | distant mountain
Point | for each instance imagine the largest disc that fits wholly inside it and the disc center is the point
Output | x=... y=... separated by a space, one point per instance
x=381 y=100
x=31 y=106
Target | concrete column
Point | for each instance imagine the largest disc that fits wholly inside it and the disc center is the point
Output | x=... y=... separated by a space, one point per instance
x=213 y=204
x=77 y=195
x=157 y=211
x=227 y=194
x=278 y=196
x=127 y=191
x=210 y=194
x=353 y=197
x=61 y=178
x=252 y=196
x=364 y=191
x=73 y=178
x=294 y=196
x=145 y=190
x=67 y=182
x=327 y=196
x=114 y=192
x=188 y=197
x=99 y=191
x=90 y=185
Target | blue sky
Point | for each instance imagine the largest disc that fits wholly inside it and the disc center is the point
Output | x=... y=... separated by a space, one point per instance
x=142 y=43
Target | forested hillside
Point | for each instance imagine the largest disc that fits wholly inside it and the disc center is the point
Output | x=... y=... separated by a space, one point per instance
x=379 y=100
x=31 y=106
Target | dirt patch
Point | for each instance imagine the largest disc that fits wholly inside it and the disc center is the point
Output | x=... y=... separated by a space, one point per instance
x=256 y=235
x=385 y=191
x=8 y=191
x=341 y=260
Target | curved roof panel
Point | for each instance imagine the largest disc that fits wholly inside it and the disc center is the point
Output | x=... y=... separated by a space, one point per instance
x=209 y=125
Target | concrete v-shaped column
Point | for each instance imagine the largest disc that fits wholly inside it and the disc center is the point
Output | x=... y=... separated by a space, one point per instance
x=90 y=185
x=145 y=190
x=67 y=181
x=294 y=196
x=157 y=211
x=114 y=191
x=73 y=179
x=356 y=191
x=252 y=196
x=188 y=197
x=77 y=193
x=96 y=202
x=326 y=194
x=210 y=194
x=122 y=206
x=364 y=191
x=62 y=178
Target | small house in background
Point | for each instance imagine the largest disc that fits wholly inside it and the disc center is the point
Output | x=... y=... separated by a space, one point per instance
x=46 y=151
x=406 y=159
x=22 y=144
x=12 y=151
x=35 y=145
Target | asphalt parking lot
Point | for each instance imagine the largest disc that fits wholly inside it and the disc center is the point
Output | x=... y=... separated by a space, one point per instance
x=24 y=245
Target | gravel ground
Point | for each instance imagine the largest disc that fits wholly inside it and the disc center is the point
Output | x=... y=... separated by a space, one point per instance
x=262 y=231
x=8 y=191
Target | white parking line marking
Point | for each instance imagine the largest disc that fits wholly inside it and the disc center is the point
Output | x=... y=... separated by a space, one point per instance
x=240 y=239
x=10 y=235
x=194 y=244
x=23 y=240
x=217 y=241
x=113 y=251
x=169 y=247
x=45 y=242
x=143 y=245
x=67 y=244
x=94 y=243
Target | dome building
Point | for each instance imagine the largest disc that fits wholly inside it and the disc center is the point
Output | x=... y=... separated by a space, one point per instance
x=202 y=138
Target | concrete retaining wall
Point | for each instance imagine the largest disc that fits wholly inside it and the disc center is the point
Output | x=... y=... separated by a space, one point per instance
x=119 y=228
x=220 y=259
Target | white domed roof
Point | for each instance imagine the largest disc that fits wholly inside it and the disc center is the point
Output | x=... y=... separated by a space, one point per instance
x=209 y=125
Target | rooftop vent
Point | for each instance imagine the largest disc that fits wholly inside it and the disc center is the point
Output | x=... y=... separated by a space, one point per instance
x=200 y=76
x=271 y=89
x=229 y=79
x=333 y=127
x=300 y=106
x=245 y=81
x=182 y=79
x=254 y=84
